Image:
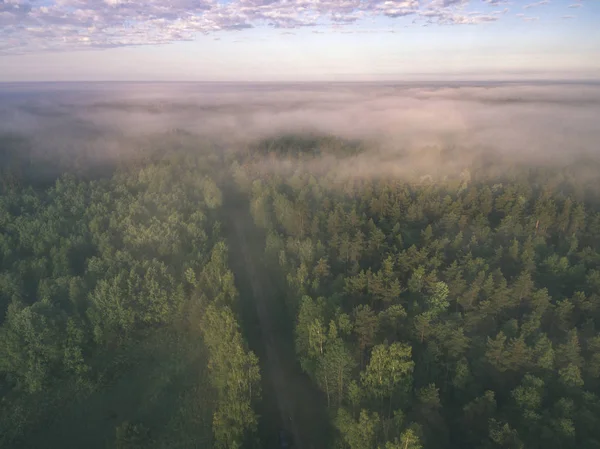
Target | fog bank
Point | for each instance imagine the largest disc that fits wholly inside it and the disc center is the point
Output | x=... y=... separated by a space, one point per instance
x=534 y=123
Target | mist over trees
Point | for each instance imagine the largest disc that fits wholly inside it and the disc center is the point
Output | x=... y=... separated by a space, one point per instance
x=416 y=267
x=449 y=314
x=115 y=284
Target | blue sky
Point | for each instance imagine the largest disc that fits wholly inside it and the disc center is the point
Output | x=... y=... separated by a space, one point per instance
x=238 y=40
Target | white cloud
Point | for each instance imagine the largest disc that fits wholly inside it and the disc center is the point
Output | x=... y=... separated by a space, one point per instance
x=26 y=25
x=533 y=5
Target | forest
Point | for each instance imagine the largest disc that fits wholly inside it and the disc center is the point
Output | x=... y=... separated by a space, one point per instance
x=119 y=315
x=297 y=290
x=455 y=313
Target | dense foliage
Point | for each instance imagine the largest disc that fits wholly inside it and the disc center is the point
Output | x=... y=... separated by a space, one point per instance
x=116 y=298
x=457 y=310
x=462 y=312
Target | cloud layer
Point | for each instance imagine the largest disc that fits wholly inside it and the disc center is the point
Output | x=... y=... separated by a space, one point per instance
x=527 y=123
x=28 y=25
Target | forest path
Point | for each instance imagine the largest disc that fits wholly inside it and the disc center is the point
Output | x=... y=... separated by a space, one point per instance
x=290 y=400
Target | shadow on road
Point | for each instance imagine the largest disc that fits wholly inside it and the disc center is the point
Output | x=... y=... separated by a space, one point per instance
x=290 y=400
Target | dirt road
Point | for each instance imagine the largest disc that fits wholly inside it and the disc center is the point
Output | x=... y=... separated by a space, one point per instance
x=272 y=362
x=299 y=407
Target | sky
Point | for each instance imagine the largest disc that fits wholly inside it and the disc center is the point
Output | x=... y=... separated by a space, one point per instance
x=298 y=40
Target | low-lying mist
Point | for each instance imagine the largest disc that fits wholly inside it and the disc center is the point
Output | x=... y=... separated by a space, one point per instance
x=404 y=128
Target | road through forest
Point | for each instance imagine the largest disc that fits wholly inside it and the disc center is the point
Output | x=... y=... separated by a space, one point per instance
x=290 y=400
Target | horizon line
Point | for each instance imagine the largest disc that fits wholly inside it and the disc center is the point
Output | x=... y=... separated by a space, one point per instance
x=315 y=81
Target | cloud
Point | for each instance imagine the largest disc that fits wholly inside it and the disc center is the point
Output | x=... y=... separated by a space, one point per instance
x=54 y=25
x=533 y=5
x=569 y=17
x=470 y=20
x=575 y=5
x=446 y=16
